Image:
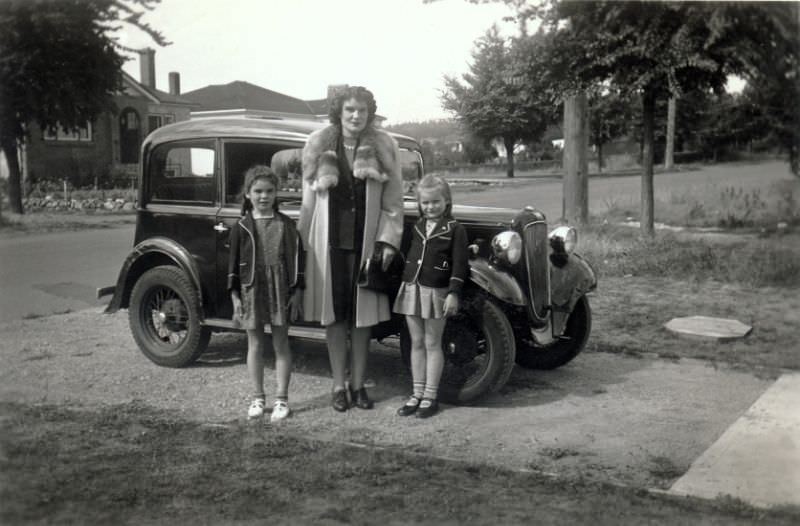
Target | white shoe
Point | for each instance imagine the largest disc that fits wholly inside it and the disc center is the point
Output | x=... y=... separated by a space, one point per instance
x=280 y=410
x=256 y=409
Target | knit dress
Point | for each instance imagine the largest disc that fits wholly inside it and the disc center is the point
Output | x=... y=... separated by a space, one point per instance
x=266 y=300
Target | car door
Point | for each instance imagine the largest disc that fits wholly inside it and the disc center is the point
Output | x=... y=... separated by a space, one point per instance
x=181 y=199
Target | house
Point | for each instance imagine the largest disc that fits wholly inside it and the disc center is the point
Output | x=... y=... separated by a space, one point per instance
x=243 y=98
x=109 y=146
x=246 y=99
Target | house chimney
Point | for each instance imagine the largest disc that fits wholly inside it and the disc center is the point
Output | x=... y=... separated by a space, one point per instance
x=333 y=89
x=147 y=67
x=174 y=83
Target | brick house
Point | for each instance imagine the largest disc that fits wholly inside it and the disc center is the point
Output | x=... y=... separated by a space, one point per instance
x=109 y=146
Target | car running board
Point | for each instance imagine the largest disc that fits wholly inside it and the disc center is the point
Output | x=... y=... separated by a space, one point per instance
x=309 y=333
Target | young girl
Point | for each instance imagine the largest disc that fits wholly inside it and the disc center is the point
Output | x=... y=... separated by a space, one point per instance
x=265 y=281
x=436 y=267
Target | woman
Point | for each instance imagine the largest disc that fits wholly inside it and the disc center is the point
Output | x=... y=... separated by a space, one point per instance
x=352 y=208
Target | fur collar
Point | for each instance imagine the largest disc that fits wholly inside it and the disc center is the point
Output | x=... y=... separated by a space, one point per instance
x=374 y=158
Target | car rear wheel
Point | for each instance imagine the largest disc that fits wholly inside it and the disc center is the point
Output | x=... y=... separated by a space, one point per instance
x=479 y=354
x=564 y=349
x=164 y=316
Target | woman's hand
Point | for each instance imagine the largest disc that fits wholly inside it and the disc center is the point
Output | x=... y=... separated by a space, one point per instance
x=451 y=304
x=296 y=304
x=387 y=255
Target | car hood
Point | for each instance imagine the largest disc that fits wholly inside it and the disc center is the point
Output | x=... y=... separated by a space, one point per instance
x=472 y=214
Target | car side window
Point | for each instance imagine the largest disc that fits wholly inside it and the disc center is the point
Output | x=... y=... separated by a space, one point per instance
x=240 y=156
x=183 y=173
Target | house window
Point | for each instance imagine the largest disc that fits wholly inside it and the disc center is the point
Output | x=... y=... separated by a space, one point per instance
x=84 y=133
x=157 y=121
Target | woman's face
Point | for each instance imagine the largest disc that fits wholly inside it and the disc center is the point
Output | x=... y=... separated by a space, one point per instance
x=354 y=117
x=262 y=195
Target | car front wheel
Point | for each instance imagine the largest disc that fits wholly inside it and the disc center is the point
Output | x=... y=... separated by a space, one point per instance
x=565 y=348
x=479 y=353
x=164 y=316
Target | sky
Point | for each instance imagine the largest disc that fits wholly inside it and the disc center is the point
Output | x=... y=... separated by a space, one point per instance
x=399 y=49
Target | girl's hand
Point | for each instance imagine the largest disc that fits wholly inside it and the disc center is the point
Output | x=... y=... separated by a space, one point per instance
x=237 y=306
x=296 y=304
x=451 y=304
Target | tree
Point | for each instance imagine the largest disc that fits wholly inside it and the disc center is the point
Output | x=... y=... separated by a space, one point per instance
x=60 y=66
x=656 y=49
x=495 y=99
x=609 y=117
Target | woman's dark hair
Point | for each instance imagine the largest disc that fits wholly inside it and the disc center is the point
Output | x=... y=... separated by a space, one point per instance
x=361 y=94
x=253 y=174
x=435 y=182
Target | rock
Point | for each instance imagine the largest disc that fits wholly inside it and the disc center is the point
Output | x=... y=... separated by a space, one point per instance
x=721 y=329
x=129 y=206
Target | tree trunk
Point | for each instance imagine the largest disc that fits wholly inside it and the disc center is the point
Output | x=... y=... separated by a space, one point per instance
x=648 y=140
x=600 y=157
x=9 y=146
x=509 y=144
x=575 y=204
x=669 y=154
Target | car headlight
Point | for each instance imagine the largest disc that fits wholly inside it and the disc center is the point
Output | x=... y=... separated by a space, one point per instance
x=507 y=246
x=563 y=239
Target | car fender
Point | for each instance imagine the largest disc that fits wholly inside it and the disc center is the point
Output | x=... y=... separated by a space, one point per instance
x=497 y=282
x=146 y=255
x=569 y=281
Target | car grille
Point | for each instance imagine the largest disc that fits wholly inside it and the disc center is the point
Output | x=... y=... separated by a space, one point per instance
x=536 y=263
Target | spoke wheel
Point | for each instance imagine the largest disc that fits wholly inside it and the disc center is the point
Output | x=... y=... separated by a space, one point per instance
x=164 y=316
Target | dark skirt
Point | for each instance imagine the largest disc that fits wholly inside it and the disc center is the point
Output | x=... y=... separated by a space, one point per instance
x=344 y=273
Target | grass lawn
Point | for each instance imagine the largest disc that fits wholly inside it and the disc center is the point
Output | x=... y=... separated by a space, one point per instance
x=128 y=464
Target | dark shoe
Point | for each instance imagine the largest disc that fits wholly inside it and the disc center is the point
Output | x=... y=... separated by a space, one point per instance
x=360 y=399
x=410 y=407
x=339 y=400
x=425 y=410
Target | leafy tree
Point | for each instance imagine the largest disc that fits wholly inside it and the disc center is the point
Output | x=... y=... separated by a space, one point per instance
x=610 y=116
x=59 y=66
x=495 y=99
x=658 y=49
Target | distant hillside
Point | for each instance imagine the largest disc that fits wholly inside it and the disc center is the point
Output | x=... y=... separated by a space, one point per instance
x=433 y=129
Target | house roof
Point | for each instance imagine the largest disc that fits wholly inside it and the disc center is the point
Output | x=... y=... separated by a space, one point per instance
x=243 y=95
x=153 y=94
x=318 y=106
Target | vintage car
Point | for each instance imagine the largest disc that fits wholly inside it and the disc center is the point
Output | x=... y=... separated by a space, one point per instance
x=525 y=301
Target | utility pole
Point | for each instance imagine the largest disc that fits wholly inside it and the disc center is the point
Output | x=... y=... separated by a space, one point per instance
x=575 y=205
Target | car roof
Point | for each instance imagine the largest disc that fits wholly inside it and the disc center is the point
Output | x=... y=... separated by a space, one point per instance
x=250 y=128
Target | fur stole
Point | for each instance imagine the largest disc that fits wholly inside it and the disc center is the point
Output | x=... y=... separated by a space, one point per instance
x=374 y=159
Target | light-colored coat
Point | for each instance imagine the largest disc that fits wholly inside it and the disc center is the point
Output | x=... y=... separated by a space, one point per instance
x=383 y=221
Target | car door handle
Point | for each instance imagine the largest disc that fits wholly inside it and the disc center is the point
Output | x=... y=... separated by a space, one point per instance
x=220 y=227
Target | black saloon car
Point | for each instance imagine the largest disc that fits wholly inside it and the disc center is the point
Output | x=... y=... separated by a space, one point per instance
x=525 y=301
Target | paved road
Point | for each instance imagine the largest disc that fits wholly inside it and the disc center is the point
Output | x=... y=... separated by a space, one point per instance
x=44 y=274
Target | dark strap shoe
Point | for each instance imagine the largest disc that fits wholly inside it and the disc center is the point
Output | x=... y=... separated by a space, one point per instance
x=410 y=407
x=339 y=401
x=427 y=408
x=360 y=399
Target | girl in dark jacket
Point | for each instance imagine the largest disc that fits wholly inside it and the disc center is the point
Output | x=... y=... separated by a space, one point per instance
x=265 y=281
x=436 y=267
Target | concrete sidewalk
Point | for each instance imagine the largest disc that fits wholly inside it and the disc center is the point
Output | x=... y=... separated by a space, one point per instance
x=757 y=459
